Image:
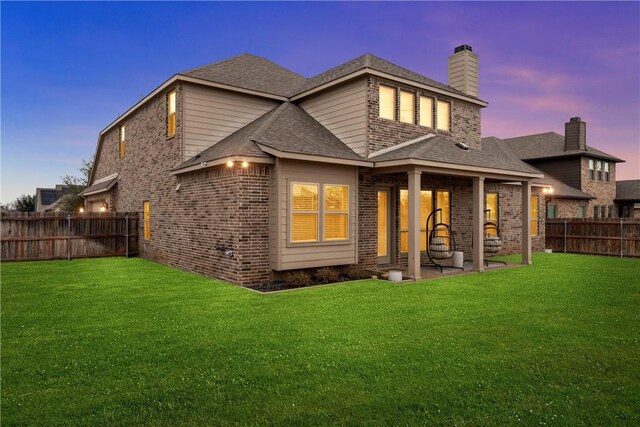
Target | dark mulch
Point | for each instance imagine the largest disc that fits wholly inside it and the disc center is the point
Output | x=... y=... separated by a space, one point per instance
x=281 y=285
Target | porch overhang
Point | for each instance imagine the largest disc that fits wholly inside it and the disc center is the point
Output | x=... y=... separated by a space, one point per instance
x=312 y=158
x=101 y=185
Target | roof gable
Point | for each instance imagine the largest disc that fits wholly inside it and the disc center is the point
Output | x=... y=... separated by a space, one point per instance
x=250 y=72
x=547 y=145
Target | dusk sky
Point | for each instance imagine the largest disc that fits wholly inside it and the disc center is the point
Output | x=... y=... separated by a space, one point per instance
x=69 y=69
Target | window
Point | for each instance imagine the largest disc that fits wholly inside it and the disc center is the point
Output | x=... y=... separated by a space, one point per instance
x=336 y=212
x=595 y=212
x=147 y=220
x=603 y=212
x=426 y=205
x=599 y=170
x=122 y=139
x=387 y=101
x=304 y=212
x=552 y=210
x=591 y=174
x=609 y=211
x=442 y=201
x=607 y=176
x=426 y=111
x=407 y=106
x=582 y=211
x=444 y=115
x=534 y=215
x=171 y=114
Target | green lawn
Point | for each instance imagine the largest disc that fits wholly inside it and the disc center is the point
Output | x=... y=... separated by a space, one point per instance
x=125 y=341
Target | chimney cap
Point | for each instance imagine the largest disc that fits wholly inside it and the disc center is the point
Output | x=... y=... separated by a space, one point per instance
x=462 y=48
x=575 y=119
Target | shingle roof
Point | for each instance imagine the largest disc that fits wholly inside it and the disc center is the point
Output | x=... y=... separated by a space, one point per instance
x=373 y=62
x=50 y=195
x=628 y=190
x=250 y=72
x=103 y=185
x=287 y=128
x=562 y=190
x=443 y=149
x=550 y=144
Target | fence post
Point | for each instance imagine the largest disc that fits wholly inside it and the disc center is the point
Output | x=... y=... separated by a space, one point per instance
x=621 y=239
x=68 y=237
x=565 y=236
x=126 y=236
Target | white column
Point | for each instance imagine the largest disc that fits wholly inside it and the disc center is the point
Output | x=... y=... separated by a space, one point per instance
x=414 y=223
x=526 y=222
x=478 y=224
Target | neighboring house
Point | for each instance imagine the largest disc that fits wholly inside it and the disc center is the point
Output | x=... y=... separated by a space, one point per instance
x=243 y=170
x=48 y=199
x=628 y=198
x=583 y=178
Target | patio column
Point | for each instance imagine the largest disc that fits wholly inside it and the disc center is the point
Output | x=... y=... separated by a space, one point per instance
x=526 y=222
x=478 y=224
x=414 y=223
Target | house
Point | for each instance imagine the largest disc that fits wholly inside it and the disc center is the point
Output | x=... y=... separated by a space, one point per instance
x=583 y=178
x=48 y=199
x=628 y=198
x=244 y=170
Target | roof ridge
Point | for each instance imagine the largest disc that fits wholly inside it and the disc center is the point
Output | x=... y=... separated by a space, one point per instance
x=530 y=135
x=401 y=145
x=276 y=112
x=222 y=61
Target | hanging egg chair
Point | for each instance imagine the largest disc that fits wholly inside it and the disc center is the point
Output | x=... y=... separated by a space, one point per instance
x=492 y=239
x=440 y=241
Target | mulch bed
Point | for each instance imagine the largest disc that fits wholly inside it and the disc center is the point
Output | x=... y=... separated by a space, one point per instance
x=281 y=285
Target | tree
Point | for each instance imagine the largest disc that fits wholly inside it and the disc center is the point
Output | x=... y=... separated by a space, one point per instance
x=72 y=201
x=24 y=203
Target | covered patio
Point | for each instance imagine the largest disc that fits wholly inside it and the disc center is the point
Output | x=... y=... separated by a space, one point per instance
x=473 y=169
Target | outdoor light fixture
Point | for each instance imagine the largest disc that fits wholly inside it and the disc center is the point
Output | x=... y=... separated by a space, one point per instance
x=245 y=165
x=229 y=163
x=103 y=208
x=81 y=210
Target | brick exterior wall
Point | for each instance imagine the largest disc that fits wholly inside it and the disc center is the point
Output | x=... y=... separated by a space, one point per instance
x=605 y=192
x=383 y=133
x=214 y=210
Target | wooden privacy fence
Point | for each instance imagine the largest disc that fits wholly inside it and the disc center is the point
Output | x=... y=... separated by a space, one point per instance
x=620 y=237
x=39 y=236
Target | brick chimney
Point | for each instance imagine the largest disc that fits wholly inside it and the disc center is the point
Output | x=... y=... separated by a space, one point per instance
x=463 y=70
x=575 y=134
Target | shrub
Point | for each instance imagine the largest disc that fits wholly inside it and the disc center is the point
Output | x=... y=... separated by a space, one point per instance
x=327 y=275
x=299 y=278
x=359 y=274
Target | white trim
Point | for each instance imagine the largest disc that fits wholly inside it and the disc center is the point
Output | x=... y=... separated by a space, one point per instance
x=218 y=162
x=404 y=144
x=313 y=158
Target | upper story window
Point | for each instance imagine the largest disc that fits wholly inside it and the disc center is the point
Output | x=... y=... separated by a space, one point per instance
x=591 y=170
x=607 y=175
x=171 y=114
x=387 y=102
x=426 y=111
x=599 y=163
x=443 y=115
x=122 y=140
x=407 y=107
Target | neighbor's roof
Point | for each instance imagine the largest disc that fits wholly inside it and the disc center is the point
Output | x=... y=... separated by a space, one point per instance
x=628 y=190
x=374 y=63
x=550 y=144
x=50 y=195
x=443 y=149
x=250 y=72
x=287 y=128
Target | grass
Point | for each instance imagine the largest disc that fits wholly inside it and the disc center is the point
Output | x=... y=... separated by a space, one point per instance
x=125 y=341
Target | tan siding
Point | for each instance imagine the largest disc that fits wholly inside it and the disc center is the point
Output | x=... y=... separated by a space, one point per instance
x=342 y=110
x=212 y=114
x=322 y=254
